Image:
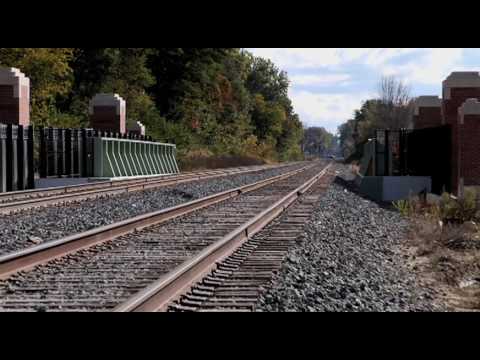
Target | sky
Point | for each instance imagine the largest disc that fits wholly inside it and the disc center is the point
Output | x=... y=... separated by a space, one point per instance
x=327 y=85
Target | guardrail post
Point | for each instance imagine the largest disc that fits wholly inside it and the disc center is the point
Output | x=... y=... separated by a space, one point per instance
x=174 y=152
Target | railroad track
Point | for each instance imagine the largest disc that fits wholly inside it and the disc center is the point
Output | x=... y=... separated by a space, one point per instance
x=86 y=272
x=237 y=282
x=22 y=200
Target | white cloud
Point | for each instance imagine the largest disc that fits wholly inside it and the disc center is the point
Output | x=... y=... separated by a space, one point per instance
x=336 y=69
x=304 y=58
x=353 y=54
x=327 y=110
x=430 y=66
x=300 y=57
x=318 y=79
x=379 y=57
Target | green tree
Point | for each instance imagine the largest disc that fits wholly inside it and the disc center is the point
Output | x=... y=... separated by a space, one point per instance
x=215 y=100
x=50 y=77
x=317 y=140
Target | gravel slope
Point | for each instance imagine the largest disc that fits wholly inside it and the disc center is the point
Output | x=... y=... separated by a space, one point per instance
x=347 y=260
x=31 y=227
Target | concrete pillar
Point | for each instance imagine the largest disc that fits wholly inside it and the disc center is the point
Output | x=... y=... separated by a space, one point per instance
x=108 y=113
x=137 y=128
x=14 y=97
x=457 y=88
x=427 y=112
x=469 y=144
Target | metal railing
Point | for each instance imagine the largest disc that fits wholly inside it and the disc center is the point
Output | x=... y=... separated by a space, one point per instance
x=70 y=152
x=16 y=158
x=27 y=152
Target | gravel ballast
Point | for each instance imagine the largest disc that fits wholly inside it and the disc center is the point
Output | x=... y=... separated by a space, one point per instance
x=349 y=259
x=35 y=226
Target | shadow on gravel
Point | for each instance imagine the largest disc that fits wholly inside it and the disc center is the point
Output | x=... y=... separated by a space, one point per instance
x=351 y=186
x=182 y=194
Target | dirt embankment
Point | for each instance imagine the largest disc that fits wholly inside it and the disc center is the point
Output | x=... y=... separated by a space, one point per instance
x=446 y=258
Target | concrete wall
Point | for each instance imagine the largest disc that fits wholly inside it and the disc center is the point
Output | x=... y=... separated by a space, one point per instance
x=392 y=188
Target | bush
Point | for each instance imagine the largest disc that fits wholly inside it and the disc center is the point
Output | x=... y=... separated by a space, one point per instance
x=405 y=207
x=457 y=210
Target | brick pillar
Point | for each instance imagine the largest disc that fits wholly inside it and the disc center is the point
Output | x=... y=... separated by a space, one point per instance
x=14 y=97
x=457 y=88
x=428 y=112
x=469 y=144
x=108 y=113
x=137 y=128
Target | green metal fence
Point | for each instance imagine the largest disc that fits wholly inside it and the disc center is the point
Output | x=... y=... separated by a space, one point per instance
x=123 y=157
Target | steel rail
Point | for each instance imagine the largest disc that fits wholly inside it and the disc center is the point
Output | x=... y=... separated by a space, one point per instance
x=168 y=288
x=41 y=201
x=28 y=258
x=12 y=195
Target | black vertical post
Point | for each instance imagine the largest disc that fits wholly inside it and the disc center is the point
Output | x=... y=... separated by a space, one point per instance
x=10 y=162
x=20 y=158
x=403 y=152
x=61 y=153
x=400 y=150
x=387 y=154
x=83 y=152
x=53 y=142
x=88 y=156
x=77 y=148
x=31 y=158
x=68 y=152
x=376 y=153
x=3 y=158
x=12 y=159
x=43 y=152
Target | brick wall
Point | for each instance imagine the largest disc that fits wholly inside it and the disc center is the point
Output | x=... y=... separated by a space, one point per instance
x=457 y=97
x=428 y=117
x=105 y=118
x=24 y=104
x=469 y=149
x=108 y=113
x=450 y=116
x=9 y=105
x=14 y=97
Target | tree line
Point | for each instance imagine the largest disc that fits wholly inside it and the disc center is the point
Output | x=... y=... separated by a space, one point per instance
x=391 y=109
x=212 y=100
x=318 y=141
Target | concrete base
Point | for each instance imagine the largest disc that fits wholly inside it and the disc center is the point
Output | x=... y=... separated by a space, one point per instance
x=119 y=178
x=392 y=188
x=60 y=182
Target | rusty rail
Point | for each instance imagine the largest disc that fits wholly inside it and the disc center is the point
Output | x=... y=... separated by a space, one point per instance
x=85 y=191
x=40 y=254
x=157 y=296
